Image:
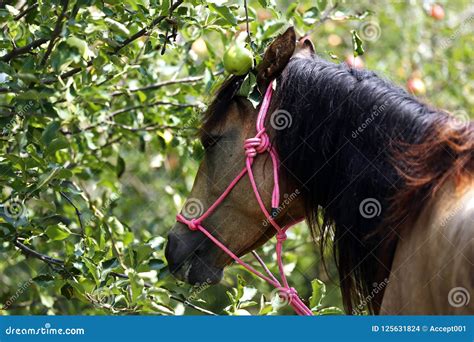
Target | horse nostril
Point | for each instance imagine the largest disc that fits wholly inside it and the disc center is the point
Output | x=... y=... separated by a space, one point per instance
x=170 y=249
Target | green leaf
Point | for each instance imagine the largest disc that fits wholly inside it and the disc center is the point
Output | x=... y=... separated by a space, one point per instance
x=330 y=311
x=118 y=27
x=225 y=13
x=247 y=85
x=44 y=280
x=156 y=264
x=57 y=232
x=357 y=44
x=321 y=4
x=272 y=29
x=54 y=219
x=67 y=291
x=47 y=177
x=57 y=144
x=50 y=132
x=80 y=45
x=318 y=293
x=120 y=168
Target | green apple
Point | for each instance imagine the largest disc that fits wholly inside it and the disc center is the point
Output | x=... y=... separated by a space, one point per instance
x=238 y=60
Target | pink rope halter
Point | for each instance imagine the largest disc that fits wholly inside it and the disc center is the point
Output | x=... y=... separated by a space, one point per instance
x=254 y=146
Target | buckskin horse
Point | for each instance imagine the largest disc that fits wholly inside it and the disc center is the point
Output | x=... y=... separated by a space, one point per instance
x=385 y=178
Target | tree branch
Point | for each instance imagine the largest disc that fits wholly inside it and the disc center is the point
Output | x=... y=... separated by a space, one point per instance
x=78 y=212
x=32 y=253
x=56 y=32
x=183 y=301
x=127 y=41
x=128 y=109
x=66 y=74
x=191 y=79
x=191 y=305
x=57 y=262
x=145 y=30
x=148 y=128
x=324 y=17
x=247 y=21
x=24 y=49
x=25 y=12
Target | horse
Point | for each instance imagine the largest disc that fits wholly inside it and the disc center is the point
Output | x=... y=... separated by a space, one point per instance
x=383 y=178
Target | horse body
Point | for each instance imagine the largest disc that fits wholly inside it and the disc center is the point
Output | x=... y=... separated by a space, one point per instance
x=432 y=271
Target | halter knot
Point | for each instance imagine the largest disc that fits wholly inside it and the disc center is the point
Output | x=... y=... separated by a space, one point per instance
x=192 y=223
x=257 y=144
x=281 y=236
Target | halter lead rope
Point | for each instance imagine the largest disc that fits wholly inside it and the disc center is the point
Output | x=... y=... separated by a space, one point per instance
x=254 y=146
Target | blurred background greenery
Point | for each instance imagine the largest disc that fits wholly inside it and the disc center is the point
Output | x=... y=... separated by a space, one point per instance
x=99 y=106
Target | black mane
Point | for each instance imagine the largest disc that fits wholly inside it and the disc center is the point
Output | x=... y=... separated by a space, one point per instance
x=347 y=127
x=355 y=136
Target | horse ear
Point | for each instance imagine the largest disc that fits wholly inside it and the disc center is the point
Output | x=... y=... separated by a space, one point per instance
x=304 y=47
x=276 y=58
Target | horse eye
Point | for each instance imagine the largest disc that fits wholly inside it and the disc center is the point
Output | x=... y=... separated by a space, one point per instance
x=209 y=140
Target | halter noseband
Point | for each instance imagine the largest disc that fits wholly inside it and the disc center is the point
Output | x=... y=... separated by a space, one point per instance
x=254 y=146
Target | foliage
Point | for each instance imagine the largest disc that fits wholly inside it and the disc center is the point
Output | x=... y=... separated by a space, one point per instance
x=99 y=105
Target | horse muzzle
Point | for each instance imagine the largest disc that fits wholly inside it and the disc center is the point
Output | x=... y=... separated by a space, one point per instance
x=189 y=258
